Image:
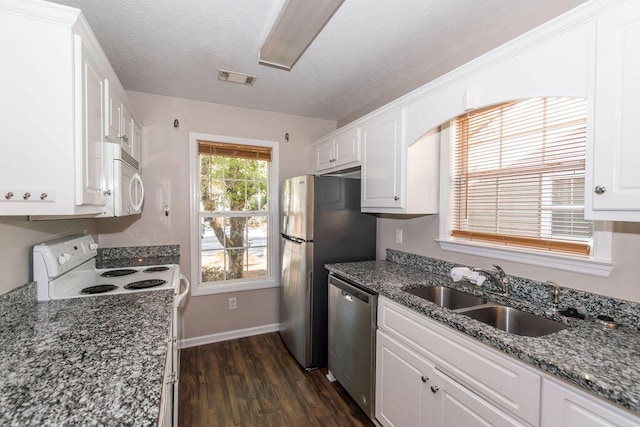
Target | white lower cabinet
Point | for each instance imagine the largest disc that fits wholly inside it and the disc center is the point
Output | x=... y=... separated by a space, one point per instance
x=411 y=391
x=165 y=418
x=403 y=397
x=428 y=374
x=455 y=406
x=565 y=406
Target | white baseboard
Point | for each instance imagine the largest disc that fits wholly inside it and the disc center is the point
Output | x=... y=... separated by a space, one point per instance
x=225 y=336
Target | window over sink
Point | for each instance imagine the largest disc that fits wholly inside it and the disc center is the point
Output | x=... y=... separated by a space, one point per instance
x=515 y=177
x=234 y=208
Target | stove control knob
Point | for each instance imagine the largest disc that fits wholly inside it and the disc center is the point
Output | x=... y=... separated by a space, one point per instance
x=93 y=246
x=62 y=260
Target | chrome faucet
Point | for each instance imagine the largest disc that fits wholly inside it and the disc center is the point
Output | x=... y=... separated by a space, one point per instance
x=499 y=277
x=556 y=293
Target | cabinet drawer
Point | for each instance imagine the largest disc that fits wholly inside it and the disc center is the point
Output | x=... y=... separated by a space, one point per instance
x=499 y=379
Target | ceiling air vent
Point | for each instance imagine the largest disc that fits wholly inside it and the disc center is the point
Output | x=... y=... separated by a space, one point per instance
x=233 y=77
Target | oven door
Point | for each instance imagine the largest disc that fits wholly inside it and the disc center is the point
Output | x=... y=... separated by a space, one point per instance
x=128 y=189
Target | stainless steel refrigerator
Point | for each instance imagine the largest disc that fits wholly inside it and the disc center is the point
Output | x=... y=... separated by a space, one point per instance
x=321 y=223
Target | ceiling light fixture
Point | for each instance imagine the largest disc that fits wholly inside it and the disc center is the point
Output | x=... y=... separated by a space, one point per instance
x=298 y=24
x=233 y=77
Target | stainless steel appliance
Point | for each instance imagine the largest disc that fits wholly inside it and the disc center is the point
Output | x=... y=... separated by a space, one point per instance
x=352 y=340
x=321 y=223
x=66 y=268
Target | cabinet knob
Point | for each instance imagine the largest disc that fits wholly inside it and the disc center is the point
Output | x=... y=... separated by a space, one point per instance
x=424 y=379
x=26 y=196
x=396 y=198
x=435 y=388
x=8 y=195
x=107 y=192
x=43 y=196
x=599 y=189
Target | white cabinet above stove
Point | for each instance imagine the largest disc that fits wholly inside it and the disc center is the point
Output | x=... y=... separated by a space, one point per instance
x=54 y=78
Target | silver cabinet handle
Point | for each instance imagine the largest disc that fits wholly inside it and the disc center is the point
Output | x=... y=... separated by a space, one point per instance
x=600 y=189
x=124 y=138
x=435 y=388
x=424 y=378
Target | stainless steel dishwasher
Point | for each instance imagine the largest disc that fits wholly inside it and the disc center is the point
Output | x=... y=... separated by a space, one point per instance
x=352 y=340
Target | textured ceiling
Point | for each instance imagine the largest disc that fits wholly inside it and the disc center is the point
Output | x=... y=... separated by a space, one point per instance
x=370 y=49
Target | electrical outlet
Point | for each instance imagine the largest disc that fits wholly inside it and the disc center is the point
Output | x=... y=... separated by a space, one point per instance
x=233 y=303
x=398 y=235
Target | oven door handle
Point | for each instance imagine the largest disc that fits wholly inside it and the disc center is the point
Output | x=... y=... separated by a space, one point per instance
x=182 y=295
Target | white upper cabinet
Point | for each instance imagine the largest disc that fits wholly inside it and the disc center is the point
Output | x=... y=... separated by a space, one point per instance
x=337 y=152
x=613 y=178
x=91 y=159
x=55 y=160
x=136 y=140
x=382 y=162
x=398 y=177
x=122 y=129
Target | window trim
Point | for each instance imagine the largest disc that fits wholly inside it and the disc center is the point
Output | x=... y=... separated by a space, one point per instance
x=271 y=281
x=598 y=264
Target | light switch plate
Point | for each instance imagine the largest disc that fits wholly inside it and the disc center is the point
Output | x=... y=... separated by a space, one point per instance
x=398 y=235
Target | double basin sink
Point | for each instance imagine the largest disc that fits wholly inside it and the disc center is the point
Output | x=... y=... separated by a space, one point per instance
x=508 y=319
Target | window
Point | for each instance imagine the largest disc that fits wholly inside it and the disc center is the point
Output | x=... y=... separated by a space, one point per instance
x=234 y=216
x=517 y=178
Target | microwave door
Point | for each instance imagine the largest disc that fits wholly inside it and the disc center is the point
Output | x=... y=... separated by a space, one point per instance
x=129 y=190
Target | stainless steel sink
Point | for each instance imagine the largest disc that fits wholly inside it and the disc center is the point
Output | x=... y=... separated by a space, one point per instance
x=514 y=321
x=447 y=297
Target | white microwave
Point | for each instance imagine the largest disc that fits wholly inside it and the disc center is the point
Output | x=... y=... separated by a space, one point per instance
x=124 y=189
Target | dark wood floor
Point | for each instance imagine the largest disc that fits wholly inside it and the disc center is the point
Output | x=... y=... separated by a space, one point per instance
x=256 y=382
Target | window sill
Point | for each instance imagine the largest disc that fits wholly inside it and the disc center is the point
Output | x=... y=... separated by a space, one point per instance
x=224 y=288
x=576 y=264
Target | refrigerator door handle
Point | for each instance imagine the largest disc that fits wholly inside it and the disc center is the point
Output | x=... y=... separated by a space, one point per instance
x=293 y=239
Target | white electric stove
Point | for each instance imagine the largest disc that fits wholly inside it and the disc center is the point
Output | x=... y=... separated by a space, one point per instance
x=66 y=268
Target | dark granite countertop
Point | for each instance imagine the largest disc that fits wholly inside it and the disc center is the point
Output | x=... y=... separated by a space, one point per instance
x=603 y=361
x=83 y=361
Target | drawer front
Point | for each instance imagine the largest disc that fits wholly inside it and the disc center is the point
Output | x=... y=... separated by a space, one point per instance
x=499 y=379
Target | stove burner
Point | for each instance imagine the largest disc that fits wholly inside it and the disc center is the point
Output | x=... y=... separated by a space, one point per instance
x=117 y=273
x=156 y=269
x=98 y=289
x=143 y=284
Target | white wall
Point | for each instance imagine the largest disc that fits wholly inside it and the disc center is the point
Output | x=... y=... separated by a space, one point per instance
x=18 y=235
x=165 y=171
x=419 y=236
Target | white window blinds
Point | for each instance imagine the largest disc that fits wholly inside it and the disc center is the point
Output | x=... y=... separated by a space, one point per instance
x=518 y=175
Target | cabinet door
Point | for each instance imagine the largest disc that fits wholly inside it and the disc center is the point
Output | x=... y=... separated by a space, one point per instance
x=113 y=113
x=564 y=407
x=616 y=177
x=136 y=140
x=403 y=378
x=347 y=148
x=382 y=150
x=126 y=139
x=455 y=406
x=89 y=145
x=324 y=156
